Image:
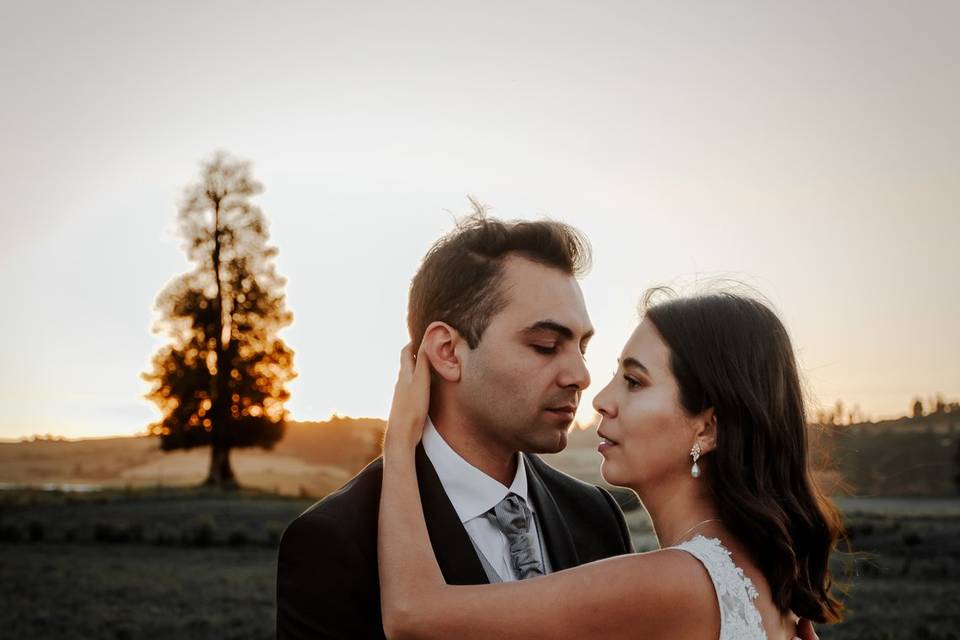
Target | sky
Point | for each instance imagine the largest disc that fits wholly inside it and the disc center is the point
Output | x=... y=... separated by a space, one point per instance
x=810 y=150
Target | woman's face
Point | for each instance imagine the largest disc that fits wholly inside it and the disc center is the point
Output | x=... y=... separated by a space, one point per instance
x=646 y=436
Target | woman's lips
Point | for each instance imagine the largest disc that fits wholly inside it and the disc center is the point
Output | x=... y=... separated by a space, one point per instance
x=605 y=443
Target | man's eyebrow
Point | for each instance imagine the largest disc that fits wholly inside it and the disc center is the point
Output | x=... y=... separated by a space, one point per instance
x=555 y=327
x=634 y=363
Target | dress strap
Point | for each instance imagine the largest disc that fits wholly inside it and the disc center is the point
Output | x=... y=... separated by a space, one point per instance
x=739 y=618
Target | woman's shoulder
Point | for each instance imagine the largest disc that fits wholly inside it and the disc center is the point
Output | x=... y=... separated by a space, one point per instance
x=673 y=568
x=668 y=590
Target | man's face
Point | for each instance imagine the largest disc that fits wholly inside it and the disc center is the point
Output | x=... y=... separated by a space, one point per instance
x=522 y=384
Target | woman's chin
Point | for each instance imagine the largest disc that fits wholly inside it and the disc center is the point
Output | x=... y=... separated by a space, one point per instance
x=609 y=474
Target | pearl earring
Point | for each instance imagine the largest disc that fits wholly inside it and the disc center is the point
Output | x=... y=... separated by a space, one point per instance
x=695 y=454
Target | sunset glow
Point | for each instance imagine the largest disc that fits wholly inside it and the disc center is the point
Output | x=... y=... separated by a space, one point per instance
x=810 y=155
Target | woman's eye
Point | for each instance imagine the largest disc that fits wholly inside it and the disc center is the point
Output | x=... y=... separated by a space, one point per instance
x=539 y=348
x=632 y=383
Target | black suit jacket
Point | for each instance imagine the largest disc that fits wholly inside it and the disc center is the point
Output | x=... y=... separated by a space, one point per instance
x=327 y=581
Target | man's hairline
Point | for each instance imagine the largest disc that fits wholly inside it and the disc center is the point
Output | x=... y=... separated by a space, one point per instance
x=499 y=291
x=499 y=279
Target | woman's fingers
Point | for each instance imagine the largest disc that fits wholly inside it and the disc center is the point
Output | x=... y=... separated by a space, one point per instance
x=422 y=364
x=411 y=399
x=406 y=360
x=414 y=368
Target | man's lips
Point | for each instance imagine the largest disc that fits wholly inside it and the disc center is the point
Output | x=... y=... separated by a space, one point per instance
x=567 y=411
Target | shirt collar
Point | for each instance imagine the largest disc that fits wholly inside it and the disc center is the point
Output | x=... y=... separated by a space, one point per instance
x=471 y=491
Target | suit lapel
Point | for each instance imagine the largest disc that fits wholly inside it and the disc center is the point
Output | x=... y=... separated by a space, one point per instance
x=556 y=536
x=451 y=544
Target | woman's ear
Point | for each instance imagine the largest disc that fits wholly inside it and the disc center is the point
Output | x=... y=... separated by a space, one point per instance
x=440 y=342
x=706 y=430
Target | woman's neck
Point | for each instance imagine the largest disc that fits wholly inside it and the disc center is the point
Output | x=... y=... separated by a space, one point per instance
x=679 y=511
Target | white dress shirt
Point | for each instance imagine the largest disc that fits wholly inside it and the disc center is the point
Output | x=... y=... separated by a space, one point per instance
x=473 y=493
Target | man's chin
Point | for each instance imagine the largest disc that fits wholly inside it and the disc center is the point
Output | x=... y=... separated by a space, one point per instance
x=553 y=443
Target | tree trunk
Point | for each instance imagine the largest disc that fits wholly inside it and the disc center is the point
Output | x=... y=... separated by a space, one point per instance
x=221 y=473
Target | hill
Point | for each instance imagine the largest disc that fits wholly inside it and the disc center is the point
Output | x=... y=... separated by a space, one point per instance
x=917 y=456
x=312 y=459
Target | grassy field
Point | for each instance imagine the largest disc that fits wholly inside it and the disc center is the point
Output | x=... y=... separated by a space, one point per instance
x=190 y=564
x=64 y=590
x=314 y=458
x=140 y=564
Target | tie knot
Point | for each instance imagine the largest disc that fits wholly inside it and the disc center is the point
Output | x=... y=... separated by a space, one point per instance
x=512 y=515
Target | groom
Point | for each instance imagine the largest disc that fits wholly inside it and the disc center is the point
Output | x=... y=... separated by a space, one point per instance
x=508 y=376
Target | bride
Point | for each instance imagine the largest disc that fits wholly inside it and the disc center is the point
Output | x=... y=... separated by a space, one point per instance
x=704 y=419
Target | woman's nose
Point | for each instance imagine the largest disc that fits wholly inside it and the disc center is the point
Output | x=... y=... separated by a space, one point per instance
x=603 y=403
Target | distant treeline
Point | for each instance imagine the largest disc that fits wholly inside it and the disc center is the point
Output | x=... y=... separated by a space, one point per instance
x=842 y=414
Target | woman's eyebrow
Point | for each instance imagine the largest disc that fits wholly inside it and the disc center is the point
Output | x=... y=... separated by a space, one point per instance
x=633 y=363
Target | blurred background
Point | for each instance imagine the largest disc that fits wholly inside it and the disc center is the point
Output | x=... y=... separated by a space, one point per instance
x=213 y=212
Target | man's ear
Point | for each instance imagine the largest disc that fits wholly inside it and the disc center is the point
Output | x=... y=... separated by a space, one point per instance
x=440 y=342
x=706 y=430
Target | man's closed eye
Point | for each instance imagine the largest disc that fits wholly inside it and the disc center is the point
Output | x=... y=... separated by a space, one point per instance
x=545 y=349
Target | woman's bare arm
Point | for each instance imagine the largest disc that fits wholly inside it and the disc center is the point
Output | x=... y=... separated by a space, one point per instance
x=650 y=593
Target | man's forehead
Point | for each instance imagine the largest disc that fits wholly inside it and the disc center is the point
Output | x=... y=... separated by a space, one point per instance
x=537 y=294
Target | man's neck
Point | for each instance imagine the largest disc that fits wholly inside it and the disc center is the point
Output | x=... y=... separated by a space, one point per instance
x=496 y=462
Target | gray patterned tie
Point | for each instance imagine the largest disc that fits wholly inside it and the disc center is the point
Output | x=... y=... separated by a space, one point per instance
x=512 y=516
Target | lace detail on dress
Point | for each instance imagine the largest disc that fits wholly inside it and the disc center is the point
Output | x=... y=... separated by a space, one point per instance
x=739 y=619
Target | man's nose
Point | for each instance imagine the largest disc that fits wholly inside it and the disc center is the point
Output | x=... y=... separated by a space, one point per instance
x=575 y=373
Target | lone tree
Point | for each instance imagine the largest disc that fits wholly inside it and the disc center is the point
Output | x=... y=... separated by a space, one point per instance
x=220 y=382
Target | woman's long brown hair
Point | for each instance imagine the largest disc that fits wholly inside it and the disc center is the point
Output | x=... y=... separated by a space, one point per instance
x=732 y=353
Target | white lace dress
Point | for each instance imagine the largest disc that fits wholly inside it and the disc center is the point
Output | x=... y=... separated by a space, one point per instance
x=739 y=619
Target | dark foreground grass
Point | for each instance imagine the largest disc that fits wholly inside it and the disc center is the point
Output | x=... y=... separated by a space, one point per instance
x=902 y=579
x=203 y=565
x=136 y=591
x=165 y=563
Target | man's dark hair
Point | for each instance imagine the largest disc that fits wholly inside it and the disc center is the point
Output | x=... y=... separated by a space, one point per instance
x=459 y=279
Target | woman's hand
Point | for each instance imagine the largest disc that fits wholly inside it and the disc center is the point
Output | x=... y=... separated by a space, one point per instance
x=407 y=567
x=411 y=400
